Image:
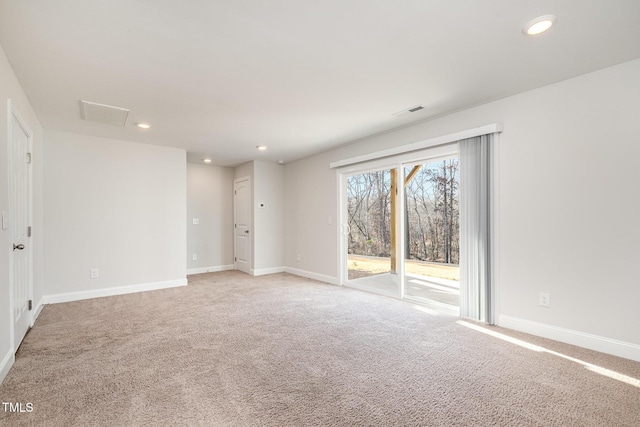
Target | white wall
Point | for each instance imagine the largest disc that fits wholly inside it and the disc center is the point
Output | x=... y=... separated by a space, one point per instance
x=243 y=170
x=568 y=209
x=268 y=217
x=311 y=198
x=114 y=205
x=210 y=199
x=10 y=89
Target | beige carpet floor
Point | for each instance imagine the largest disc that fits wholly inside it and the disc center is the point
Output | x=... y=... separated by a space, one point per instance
x=279 y=350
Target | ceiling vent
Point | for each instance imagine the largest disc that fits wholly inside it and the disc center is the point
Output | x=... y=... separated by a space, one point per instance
x=101 y=113
x=414 y=109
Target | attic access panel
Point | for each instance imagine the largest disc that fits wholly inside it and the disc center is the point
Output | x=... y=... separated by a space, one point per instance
x=101 y=113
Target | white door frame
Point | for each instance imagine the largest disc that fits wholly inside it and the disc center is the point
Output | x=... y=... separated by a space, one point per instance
x=249 y=269
x=12 y=114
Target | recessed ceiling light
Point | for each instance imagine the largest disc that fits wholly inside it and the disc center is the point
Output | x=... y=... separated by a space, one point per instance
x=261 y=147
x=206 y=160
x=143 y=125
x=539 y=25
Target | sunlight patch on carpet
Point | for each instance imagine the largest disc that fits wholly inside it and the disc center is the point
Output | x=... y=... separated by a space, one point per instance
x=590 y=366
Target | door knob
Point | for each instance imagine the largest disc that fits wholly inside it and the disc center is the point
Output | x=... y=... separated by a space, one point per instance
x=18 y=247
x=246 y=231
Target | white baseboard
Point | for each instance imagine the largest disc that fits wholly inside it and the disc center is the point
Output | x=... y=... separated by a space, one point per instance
x=213 y=269
x=263 y=271
x=107 y=292
x=37 y=311
x=6 y=364
x=581 y=339
x=315 y=276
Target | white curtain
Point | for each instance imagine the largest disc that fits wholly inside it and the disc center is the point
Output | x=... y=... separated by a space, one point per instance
x=476 y=285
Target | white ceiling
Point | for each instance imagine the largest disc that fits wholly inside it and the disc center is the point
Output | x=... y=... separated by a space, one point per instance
x=219 y=77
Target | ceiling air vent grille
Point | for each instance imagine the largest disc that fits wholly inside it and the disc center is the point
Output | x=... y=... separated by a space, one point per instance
x=409 y=110
x=101 y=113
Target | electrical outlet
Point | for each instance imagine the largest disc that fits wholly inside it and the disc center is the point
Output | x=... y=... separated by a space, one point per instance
x=544 y=299
x=194 y=257
x=299 y=258
x=196 y=221
x=95 y=273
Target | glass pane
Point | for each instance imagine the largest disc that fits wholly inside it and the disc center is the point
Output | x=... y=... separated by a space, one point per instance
x=431 y=241
x=370 y=245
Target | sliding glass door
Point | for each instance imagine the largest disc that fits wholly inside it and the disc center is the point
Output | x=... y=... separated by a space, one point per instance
x=418 y=225
x=401 y=229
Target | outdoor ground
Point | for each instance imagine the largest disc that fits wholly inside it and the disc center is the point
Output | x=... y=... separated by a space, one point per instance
x=363 y=266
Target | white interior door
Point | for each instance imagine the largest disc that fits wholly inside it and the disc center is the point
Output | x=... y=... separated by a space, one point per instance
x=20 y=189
x=242 y=227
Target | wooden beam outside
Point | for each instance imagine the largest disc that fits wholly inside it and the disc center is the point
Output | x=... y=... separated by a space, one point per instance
x=394 y=220
x=413 y=173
